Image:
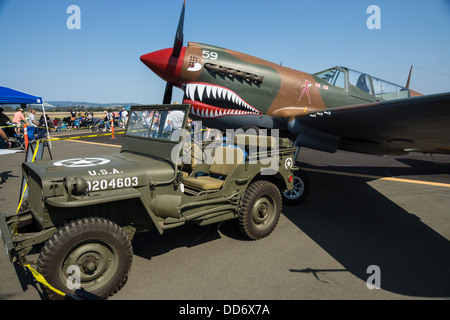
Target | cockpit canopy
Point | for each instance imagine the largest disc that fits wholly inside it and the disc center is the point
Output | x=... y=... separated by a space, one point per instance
x=363 y=84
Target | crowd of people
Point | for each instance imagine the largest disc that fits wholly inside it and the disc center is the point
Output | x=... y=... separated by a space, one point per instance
x=15 y=127
x=37 y=128
x=82 y=119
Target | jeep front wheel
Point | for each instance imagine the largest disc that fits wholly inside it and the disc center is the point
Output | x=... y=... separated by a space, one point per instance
x=260 y=210
x=95 y=250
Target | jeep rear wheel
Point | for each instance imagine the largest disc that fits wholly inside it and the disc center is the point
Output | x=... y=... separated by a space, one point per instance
x=260 y=210
x=98 y=248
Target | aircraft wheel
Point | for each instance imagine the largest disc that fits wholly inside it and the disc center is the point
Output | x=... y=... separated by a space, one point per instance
x=300 y=191
x=94 y=250
x=260 y=210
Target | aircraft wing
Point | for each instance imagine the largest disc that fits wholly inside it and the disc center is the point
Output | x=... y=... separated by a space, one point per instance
x=419 y=124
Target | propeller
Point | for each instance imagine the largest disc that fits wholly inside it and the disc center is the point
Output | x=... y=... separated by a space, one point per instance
x=177 y=45
x=168 y=93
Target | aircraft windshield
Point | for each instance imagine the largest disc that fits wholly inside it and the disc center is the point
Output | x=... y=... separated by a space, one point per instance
x=161 y=124
x=335 y=77
x=381 y=89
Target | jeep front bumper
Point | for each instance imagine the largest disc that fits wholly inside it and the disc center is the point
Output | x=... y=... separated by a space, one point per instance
x=6 y=237
x=19 y=242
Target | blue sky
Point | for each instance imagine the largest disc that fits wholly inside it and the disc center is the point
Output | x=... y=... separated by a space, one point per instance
x=100 y=62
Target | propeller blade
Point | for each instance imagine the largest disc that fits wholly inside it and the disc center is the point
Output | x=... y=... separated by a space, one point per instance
x=178 y=43
x=168 y=94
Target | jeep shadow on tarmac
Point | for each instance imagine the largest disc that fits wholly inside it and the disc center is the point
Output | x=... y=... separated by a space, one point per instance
x=82 y=213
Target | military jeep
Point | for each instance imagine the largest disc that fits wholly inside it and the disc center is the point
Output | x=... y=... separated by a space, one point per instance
x=82 y=213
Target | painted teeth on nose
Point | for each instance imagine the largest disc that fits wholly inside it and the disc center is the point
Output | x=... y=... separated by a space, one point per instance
x=190 y=91
x=200 y=91
x=219 y=93
x=214 y=92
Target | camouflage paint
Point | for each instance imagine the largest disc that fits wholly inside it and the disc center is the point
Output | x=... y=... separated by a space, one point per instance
x=258 y=95
x=283 y=92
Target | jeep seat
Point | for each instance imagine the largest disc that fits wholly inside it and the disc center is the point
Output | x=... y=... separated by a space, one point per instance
x=225 y=159
x=249 y=140
x=188 y=168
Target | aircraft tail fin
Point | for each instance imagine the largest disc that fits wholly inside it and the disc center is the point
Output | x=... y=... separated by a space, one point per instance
x=412 y=93
x=409 y=77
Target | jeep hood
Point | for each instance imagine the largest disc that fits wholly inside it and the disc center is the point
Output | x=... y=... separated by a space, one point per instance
x=104 y=172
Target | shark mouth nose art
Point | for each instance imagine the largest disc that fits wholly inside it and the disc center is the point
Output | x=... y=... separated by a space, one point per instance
x=210 y=101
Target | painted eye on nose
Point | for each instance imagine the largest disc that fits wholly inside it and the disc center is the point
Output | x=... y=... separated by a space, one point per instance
x=195 y=67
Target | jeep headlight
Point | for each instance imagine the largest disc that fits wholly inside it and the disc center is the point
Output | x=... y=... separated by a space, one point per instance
x=75 y=186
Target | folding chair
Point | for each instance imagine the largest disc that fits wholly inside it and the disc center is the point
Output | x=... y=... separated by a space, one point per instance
x=30 y=132
x=41 y=133
x=20 y=138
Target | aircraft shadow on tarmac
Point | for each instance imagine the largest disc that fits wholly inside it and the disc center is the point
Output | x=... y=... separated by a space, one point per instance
x=357 y=226
x=422 y=167
x=360 y=227
x=414 y=167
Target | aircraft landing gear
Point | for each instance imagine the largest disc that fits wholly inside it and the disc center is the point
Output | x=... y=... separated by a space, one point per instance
x=301 y=189
x=302 y=184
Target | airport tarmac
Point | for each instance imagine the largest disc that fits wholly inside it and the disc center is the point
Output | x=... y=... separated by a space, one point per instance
x=367 y=220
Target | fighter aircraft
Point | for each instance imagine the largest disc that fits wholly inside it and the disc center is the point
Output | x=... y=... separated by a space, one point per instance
x=338 y=108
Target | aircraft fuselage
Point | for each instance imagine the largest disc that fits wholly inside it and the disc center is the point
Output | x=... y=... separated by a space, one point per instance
x=236 y=89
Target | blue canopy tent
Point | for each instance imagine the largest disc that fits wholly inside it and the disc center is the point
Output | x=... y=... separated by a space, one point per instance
x=11 y=96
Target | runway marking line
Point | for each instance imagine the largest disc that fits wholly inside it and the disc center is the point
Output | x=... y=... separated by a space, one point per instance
x=366 y=176
x=98 y=143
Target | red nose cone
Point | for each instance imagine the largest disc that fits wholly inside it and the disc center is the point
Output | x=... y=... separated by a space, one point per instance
x=165 y=65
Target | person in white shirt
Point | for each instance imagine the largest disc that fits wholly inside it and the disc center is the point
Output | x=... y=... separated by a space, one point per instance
x=124 y=116
x=32 y=118
x=175 y=119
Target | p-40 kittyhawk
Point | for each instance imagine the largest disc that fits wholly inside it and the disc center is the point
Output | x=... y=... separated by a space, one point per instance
x=338 y=108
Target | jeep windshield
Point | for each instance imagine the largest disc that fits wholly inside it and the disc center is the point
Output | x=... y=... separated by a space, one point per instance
x=157 y=122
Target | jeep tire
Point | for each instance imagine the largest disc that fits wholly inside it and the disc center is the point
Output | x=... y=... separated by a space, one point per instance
x=260 y=210
x=98 y=247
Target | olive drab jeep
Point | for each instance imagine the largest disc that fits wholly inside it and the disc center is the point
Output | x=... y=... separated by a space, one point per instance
x=82 y=213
